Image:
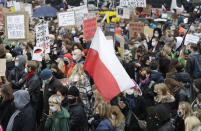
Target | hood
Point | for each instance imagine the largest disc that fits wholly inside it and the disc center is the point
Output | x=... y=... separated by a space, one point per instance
x=179 y=41
x=22 y=61
x=157 y=77
x=62 y=114
x=21 y=99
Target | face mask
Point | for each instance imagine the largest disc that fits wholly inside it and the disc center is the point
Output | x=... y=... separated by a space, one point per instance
x=74 y=57
x=153 y=44
x=25 y=70
x=156 y=35
x=53 y=108
x=46 y=82
x=73 y=32
x=71 y=100
x=179 y=114
x=63 y=32
x=143 y=77
x=66 y=62
x=113 y=117
x=172 y=28
x=16 y=64
x=79 y=29
x=136 y=45
x=62 y=49
x=129 y=91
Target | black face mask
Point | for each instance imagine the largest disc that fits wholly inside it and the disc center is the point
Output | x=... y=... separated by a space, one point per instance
x=1 y=99
x=66 y=62
x=71 y=101
x=143 y=77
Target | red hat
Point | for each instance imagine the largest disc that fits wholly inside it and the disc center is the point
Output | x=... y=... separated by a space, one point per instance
x=69 y=56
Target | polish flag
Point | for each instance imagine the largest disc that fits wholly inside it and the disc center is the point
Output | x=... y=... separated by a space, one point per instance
x=164 y=9
x=182 y=9
x=104 y=67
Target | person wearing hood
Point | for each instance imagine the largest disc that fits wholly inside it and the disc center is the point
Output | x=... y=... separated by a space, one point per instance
x=24 y=118
x=17 y=76
x=58 y=119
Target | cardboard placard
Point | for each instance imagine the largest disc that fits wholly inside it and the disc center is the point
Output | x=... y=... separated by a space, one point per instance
x=42 y=37
x=133 y=3
x=37 y=54
x=135 y=28
x=66 y=19
x=17 y=6
x=79 y=13
x=1 y=15
x=191 y=39
x=123 y=13
x=28 y=8
x=17 y=26
x=109 y=29
x=2 y=67
x=90 y=26
x=148 y=31
x=134 y=18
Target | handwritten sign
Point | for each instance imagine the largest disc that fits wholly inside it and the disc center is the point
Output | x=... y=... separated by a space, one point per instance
x=90 y=26
x=17 y=6
x=135 y=28
x=28 y=8
x=191 y=39
x=42 y=37
x=109 y=29
x=66 y=18
x=147 y=10
x=133 y=3
x=148 y=31
x=79 y=13
x=123 y=12
x=3 y=67
x=37 y=54
x=15 y=26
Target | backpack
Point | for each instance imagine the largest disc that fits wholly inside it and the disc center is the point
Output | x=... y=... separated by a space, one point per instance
x=197 y=67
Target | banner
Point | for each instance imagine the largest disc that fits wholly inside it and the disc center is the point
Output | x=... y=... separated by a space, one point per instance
x=191 y=39
x=79 y=13
x=3 y=67
x=66 y=18
x=90 y=26
x=15 y=27
x=123 y=13
x=42 y=37
x=37 y=54
x=135 y=28
x=133 y=3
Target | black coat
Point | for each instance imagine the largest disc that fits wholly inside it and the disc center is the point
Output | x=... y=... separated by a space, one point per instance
x=166 y=127
x=78 y=119
x=15 y=75
x=25 y=120
x=50 y=89
x=34 y=84
x=6 y=110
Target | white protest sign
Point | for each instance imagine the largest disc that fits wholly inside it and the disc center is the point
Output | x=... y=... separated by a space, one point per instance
x=42 y=37
x=123 y=12
x=191 y=39
x=79 y=13
x=10 y=3
x=66 y=18
x=28 y=8
x=17 y=6
x=2 y=67
x=37 y=54
x=16 y=27
x=133 y=3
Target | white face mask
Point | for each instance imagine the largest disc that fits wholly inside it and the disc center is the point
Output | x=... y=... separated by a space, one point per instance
x=76 y=78
x=156 y=35
x=74 y=57
x=129 y=91
x=153 y=44
x=53 y=108
x=25 y=70
x=113 y=117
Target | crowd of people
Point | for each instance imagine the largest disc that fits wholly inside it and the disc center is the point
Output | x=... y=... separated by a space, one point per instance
x=57 y=94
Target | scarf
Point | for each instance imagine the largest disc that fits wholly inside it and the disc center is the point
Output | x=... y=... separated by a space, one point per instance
x=29 y=75
x=11 y=121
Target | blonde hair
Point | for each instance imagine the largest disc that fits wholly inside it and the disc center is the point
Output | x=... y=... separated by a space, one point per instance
x=55 y=99
x=191 y=122
x=78 y=70
x=104 y=109
x=119 y=116
x=165 y=51
x=163 y=87
x=61 y=64
x=186 y=107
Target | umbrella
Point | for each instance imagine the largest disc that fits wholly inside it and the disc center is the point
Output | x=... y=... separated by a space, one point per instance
x=45 y=11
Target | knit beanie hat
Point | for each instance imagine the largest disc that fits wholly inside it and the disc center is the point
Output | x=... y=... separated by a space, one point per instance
x=73 y=91
x=46 y=74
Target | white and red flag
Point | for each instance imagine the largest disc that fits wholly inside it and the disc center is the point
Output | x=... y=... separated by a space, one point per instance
x=104 y=67
x=164 y=9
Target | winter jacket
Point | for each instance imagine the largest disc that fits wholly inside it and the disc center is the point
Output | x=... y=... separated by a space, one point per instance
x=157 y=76
x=78 y=119
x=50 y=89
x=17 y=74
x=105 y=125
x=193 y=65
x=9 y=67
x=166 y=127
x=7 y=108
x=74 y=2
x=33 y=85
x=59 y=121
